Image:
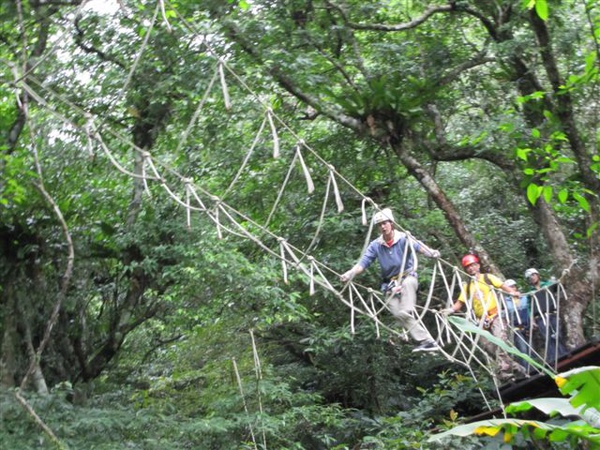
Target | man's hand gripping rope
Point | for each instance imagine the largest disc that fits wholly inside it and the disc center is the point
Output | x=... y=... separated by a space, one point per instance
x=347 y=276
x=447 y=312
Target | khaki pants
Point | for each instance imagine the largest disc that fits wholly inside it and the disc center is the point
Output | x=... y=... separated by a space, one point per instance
x=506 y=365
x=402 y=307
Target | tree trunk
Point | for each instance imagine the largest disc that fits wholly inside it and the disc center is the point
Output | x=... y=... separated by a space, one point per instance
x=126 y=314
x=37 y=377
x=422 y=175
x=10 y=339
x=527 y=83
x=578 y=286
x=564 y=102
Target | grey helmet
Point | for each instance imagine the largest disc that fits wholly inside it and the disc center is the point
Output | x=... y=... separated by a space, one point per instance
x=530 y=272
x=383 y=216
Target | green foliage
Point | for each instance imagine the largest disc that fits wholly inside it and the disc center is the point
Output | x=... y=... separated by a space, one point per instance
x=574 y=433
x=410 y=428
x=583 y=386
x=200 y=405
x=161 y=312
x=541 y=7
x=16 y=185
x=108 y=427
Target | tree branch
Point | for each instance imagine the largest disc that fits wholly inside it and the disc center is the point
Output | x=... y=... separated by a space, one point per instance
x=402 y=26
x=91 y=49
x=453 y=74
x=289 y=85
x=38 y=420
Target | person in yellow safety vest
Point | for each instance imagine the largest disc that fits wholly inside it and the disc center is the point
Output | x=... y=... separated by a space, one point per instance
x=479 y=293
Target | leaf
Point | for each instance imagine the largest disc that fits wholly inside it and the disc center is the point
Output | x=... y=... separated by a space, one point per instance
x=533 y=193
x=488 y=427
x=469 y=327
x=583 y=383
x=541 y=8
x=565 y=160
x=590 y=62
x=549 y=406
x=563 y=195
x=582 y=201
x=591 y=230
x=522 y=153
x=557 y=433
x=547 y=191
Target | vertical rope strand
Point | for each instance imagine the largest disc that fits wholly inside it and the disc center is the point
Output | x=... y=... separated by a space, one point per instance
x=226 y=98
x=309 y=182
x=241 y=388
x=311 y=291
x=351 y=300
x=336 y=191
x=274 y=134
x=188 y=210
x=246 y=159
x=281 y=191
x=258 y=372
x=164 y=15
x=283 y=263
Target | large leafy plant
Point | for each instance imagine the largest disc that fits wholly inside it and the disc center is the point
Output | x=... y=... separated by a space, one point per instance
x=581 y=411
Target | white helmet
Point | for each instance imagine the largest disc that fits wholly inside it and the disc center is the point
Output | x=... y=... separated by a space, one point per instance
x=530 y=272
x=510 y=282
x=383 y=216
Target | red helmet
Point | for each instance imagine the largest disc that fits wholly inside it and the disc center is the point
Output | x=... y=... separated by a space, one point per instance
x=469 y=259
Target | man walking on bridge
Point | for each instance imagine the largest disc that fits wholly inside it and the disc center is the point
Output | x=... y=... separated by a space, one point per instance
x=479 y=294
x=396 y=253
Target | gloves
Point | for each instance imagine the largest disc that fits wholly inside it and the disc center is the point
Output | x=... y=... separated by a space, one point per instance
x=435 y=254
x=347 y=276
x=394 y=288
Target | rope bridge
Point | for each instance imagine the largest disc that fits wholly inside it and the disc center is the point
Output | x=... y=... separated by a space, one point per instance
x=91 y=133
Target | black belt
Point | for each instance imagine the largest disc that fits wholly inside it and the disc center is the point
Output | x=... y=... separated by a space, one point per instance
x=400 y=276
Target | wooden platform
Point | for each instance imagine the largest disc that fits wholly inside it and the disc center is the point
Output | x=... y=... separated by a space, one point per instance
x=541 y=385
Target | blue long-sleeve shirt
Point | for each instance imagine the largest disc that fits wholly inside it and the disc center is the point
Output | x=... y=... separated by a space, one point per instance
x=393 y=259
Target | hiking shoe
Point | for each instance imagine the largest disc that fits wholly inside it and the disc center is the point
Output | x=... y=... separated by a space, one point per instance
x=520 y=373
x=505 y=378
x=427 y=346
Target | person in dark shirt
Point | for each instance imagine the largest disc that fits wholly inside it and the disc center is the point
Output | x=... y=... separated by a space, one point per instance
x=544 y=303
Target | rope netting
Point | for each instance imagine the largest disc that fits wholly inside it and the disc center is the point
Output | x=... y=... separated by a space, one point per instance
x=444 y=280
